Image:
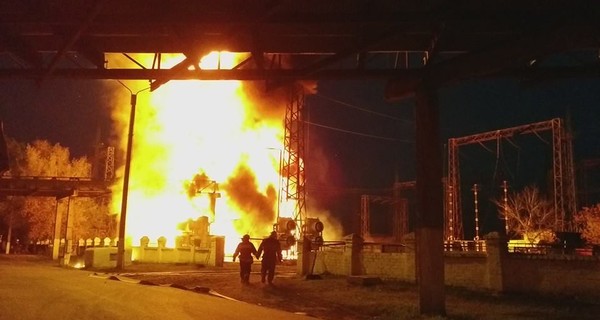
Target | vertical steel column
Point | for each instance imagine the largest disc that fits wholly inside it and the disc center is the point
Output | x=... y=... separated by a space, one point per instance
x=293 y=162
x=364 y=216
x=400 y=214
x=557 y=169
x=570 y=197
x=109 y=168
x=452 y=222
x=400 y=219
x=565 y=202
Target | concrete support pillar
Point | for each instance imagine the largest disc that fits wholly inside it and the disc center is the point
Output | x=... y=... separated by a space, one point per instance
x=304 y=262
x=353 y=254
x=217 y=251
x=430 y=214
x=497 y=250
x=68 y=235
x=57 y=229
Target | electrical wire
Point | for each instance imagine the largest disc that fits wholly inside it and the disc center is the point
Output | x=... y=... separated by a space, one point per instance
x=357 y=133
x=484 y=146
x=511 y=174
x=540 y=137
x=361 y=108
x=498 y=152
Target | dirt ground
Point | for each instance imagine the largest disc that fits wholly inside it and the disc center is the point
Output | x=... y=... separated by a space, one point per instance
x=336 y=298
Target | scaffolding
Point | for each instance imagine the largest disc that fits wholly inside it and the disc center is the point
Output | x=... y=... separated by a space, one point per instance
x=562 y=169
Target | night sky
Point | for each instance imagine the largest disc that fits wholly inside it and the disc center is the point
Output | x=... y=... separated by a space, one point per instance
x=68 y=112
x=472 y=107
x=357 y=142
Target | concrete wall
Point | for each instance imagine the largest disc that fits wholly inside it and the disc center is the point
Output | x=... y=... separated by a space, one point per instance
x=469 y=269
x=488 y=266
x=104 y=257
x=563 y=274
x=212 y=255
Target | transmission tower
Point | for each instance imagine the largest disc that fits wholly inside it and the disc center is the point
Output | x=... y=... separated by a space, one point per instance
x=562 y=169
x=293 y=159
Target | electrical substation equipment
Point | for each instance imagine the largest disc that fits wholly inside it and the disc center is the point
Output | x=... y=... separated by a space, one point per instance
x=313 y=230
x=286 y=228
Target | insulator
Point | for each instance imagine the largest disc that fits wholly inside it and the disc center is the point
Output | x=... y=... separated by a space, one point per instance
x=286 y=225
x=314 y=225
x=287 y=241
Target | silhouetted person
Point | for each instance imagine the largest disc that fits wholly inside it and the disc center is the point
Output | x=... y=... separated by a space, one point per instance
x=271 y=255
x=245 y=250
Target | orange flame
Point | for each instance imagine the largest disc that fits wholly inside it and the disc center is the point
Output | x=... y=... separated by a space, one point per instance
x=193 y=138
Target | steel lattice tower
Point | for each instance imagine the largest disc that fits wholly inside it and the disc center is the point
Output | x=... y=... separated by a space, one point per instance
x=109 y=168
x=562 y=169
x=453 y=223
x=293 y=155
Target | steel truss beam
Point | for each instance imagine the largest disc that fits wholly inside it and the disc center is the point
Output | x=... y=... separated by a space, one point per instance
x=42 y=39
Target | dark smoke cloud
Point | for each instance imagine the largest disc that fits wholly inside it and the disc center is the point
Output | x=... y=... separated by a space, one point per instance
x=270 y=98
x=270 y=103
x=258 y=208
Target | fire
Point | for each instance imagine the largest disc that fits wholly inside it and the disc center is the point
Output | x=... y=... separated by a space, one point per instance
x=197 y=139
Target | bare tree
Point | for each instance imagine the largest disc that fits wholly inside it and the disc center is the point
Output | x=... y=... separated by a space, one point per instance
x=529 y=214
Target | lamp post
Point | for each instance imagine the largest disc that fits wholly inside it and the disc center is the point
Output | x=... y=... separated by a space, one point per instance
x=123 y=217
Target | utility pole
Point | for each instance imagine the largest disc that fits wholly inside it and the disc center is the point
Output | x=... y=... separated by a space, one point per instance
x=123 y=218
x=429 y=224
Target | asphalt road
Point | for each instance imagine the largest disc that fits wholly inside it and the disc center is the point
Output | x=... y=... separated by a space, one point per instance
x=33 y=289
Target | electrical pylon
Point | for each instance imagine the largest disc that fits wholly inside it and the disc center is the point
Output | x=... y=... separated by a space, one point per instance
x=562 y=169
x=293 y=155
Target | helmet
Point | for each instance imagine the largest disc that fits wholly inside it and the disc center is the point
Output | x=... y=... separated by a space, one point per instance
x=246 y=237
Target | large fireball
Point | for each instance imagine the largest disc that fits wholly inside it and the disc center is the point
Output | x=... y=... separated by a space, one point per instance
x=194 y=140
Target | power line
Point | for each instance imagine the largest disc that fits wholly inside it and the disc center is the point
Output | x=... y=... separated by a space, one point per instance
x=361 y=108
x=348 y=190
x=357 y=133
